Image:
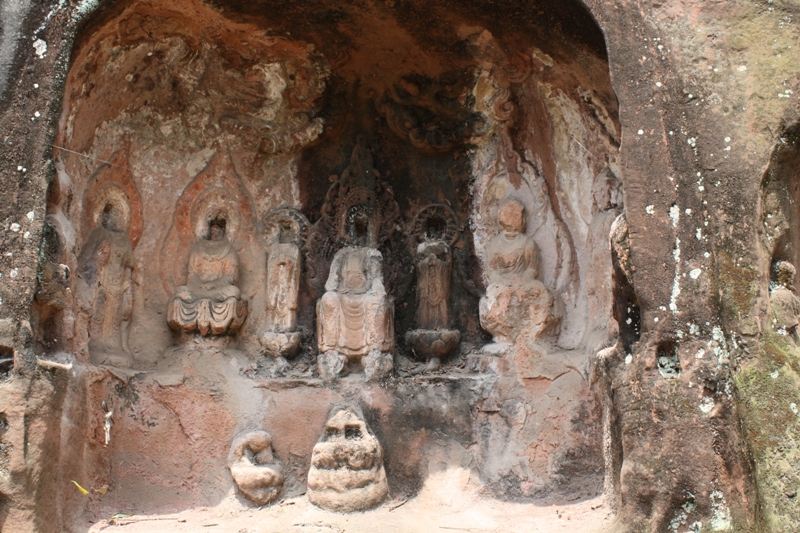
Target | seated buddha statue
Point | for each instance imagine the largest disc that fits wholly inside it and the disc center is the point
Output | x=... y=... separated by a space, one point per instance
x=355 y=318
x=210 y=302
x=516 y=302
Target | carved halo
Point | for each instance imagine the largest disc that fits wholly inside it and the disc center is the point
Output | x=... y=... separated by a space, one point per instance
x=445 y=213
x=113 y=183
x=359 y=202
x=113 y=194
x=212 y=203
x=278 y=217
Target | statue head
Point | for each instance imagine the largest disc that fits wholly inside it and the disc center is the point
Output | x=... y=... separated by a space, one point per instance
x=511 y=217
x=285 y=232
x=783 y=273
x=112 y=219
x=354 y=273
x=216 y=229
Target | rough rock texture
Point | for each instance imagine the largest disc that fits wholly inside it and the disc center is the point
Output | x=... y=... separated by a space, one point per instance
x=666 y=348
x=346 y=472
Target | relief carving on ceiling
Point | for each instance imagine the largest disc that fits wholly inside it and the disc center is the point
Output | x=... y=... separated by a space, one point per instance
x=435 y=115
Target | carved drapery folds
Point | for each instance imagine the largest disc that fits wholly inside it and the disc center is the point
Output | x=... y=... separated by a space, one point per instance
x=285 y=232
x=355 y=317
x=347 y=471
x=434 y=231
x=210 y=302
x=104 y=279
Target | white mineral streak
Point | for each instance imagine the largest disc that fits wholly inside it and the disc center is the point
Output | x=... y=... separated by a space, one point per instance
x=676 y=287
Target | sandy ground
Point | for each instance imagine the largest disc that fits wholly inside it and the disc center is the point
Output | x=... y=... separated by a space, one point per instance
x=447 y=504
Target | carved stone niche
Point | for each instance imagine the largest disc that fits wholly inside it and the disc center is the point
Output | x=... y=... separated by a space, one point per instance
x=254 y=468
x=359 y=210
x=434 y=232
x=347 y=471
x=285 y=231
x=516 y=302
x=110 y=226
x=211 y=228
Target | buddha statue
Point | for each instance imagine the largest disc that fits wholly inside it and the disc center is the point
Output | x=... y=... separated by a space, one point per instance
x=433 y=338
x=210 y=302
x=284 y=264
x=355 y=318
x=516 y=302
x=104 y=288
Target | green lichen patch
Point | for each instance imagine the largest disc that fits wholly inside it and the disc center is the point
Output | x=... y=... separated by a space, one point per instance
x=769 y=394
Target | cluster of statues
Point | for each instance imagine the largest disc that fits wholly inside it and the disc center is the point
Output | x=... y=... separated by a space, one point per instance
x=346 y=472
x=355 y=315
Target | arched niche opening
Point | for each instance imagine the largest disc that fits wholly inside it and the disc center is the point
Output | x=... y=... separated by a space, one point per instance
x=779 y=200
x=320 y=125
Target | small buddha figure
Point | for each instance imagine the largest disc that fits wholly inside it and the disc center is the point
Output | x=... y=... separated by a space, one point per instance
x=210 y=302
x=516 y=302
x=784 y=304
x=355 y=318
x=433 y=339
x=283 y=287
x=104 y=288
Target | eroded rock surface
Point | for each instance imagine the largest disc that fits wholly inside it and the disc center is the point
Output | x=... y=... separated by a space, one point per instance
x=651 y=150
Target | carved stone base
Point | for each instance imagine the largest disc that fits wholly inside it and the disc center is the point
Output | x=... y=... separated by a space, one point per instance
x=377 y=365
x=280 y=344
x=433 y=343
x=330 y=364
x=489 y=358
x=509 y=311
x=207 y=316
x=120 y=359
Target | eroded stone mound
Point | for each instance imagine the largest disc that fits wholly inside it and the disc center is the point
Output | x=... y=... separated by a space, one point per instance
x=347 y=471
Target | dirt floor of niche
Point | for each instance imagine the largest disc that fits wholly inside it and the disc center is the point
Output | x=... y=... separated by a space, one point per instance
x=450 y=502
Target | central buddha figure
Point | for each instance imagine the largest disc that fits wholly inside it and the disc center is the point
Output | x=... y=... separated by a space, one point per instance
x=355 y=318
x=210 y=302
